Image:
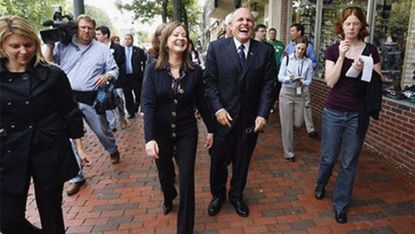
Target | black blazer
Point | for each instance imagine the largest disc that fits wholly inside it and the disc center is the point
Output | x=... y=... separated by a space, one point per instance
x=138 y=62
x=119 y=55
x=39 y=115
x=245 y=92
x=168 y=110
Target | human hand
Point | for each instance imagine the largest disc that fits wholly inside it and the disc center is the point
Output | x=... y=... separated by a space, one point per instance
x=209 y=140
x=224 y=118
x=358 y=64
x=85 y=160
x=152 y=149
x=343 y=48
x=260 y=123
x=102 y=79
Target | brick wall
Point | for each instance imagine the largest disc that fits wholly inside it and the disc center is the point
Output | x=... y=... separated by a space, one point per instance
x=393 y=136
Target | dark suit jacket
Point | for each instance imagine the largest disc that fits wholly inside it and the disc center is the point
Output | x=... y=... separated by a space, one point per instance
x=119 y=55
x=160 y=100
x=245 y=92
x=138 y=62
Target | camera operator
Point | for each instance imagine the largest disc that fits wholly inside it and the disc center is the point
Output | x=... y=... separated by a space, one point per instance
x=89 y=65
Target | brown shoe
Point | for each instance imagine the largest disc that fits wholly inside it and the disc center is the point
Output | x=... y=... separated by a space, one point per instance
x=115 y=157
x=74 y=188
x=123 y=124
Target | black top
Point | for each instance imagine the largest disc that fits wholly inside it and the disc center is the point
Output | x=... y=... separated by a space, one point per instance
x=38 y=116
x=169 y=105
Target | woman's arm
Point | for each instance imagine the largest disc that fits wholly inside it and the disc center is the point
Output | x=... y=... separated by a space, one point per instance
x=333 y=70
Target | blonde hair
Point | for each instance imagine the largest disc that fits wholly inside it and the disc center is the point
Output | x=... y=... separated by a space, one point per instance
x=163 y=59
x=15 y=25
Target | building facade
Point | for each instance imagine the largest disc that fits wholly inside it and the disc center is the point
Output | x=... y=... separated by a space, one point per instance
x=392 y=30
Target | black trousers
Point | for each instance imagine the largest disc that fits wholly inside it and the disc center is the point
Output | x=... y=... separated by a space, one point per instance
x=49 y=201
x=133 y=85
x=236 y=147
x=183 y=148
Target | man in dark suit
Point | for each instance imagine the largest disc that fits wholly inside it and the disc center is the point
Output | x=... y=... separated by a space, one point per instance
x=102 y=34
x=239 y=77
x=134 y=69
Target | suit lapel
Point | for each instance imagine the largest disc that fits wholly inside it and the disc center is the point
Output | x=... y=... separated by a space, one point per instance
x=249 y=59
x=233 y=54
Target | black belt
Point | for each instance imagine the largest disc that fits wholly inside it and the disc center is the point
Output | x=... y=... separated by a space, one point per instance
x=87 y=97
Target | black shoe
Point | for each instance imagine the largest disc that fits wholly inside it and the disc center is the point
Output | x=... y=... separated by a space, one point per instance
x=167 y=207
x=214 y=206
x=319 y=193
x=241 y=208
x=115 y=157
x=131 y=116
x=313 y=134
x=341 y=217
x=292 y=159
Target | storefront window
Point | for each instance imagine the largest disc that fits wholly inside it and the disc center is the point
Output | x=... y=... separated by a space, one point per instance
x=391 y=32
x=304 y=12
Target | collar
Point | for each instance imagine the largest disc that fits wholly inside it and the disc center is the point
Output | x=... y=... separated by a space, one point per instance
x=39 y=71
x=246 y=44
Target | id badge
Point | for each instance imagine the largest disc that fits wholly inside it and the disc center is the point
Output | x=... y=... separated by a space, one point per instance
x=298 y=90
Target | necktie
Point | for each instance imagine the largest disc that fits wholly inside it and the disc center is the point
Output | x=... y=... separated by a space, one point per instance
x=241 y=54
x=128 y=65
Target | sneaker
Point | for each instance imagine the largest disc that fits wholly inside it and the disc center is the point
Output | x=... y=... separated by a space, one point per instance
x=115 y=157
x=123 y=124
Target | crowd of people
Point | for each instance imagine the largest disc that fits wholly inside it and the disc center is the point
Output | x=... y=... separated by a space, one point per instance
x=46 y=99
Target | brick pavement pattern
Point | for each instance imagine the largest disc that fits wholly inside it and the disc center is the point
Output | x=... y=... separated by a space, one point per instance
x=126 y=197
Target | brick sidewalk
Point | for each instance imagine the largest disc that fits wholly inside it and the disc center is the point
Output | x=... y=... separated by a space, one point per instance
x=125 y=198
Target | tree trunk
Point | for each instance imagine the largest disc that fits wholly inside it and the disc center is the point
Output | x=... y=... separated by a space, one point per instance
x=177 y=10
x=164 y=7
x=185 y=20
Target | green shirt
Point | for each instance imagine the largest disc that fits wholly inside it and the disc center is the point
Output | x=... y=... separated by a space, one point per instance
x=279 y=50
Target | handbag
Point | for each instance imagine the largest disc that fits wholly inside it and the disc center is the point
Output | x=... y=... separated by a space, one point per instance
x=107 y=99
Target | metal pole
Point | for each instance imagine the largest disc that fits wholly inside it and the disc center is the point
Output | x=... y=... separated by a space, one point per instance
x=79 y=7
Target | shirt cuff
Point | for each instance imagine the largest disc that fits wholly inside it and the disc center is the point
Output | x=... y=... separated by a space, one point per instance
x=219 y=111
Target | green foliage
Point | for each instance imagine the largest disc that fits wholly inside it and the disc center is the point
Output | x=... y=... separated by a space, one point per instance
x=399 y=17
x=144 y=10
x=34 y=11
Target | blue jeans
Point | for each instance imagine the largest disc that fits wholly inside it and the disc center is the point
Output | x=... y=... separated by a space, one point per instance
x=121 y=112
x=99 y=125
x=339 y=128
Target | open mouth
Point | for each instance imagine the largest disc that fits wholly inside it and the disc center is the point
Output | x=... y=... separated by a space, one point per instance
x=244 y=30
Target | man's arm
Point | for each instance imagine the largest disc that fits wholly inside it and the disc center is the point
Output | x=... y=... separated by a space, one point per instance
x=49 y=52
x=211 y=80
x=268 y=95
x=312 y=55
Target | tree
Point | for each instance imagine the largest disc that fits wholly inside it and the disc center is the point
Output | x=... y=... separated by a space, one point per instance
x=34 y=11
x=146 y=10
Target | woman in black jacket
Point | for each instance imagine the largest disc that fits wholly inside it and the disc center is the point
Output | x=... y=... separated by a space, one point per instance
x=37 y=118
x=173 y=89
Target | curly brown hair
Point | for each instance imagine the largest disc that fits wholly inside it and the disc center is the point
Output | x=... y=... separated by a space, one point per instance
x=358 y=12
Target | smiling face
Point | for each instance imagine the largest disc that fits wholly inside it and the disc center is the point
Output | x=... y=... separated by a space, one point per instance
x=242 y=24
x=18 y=50
x=351 y=27
x=177 y=40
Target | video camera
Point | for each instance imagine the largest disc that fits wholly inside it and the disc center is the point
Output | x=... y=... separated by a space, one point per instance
x=63 y=28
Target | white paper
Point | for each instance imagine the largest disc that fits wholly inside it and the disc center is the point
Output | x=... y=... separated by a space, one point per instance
x=367 y=68
x=352 y=72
